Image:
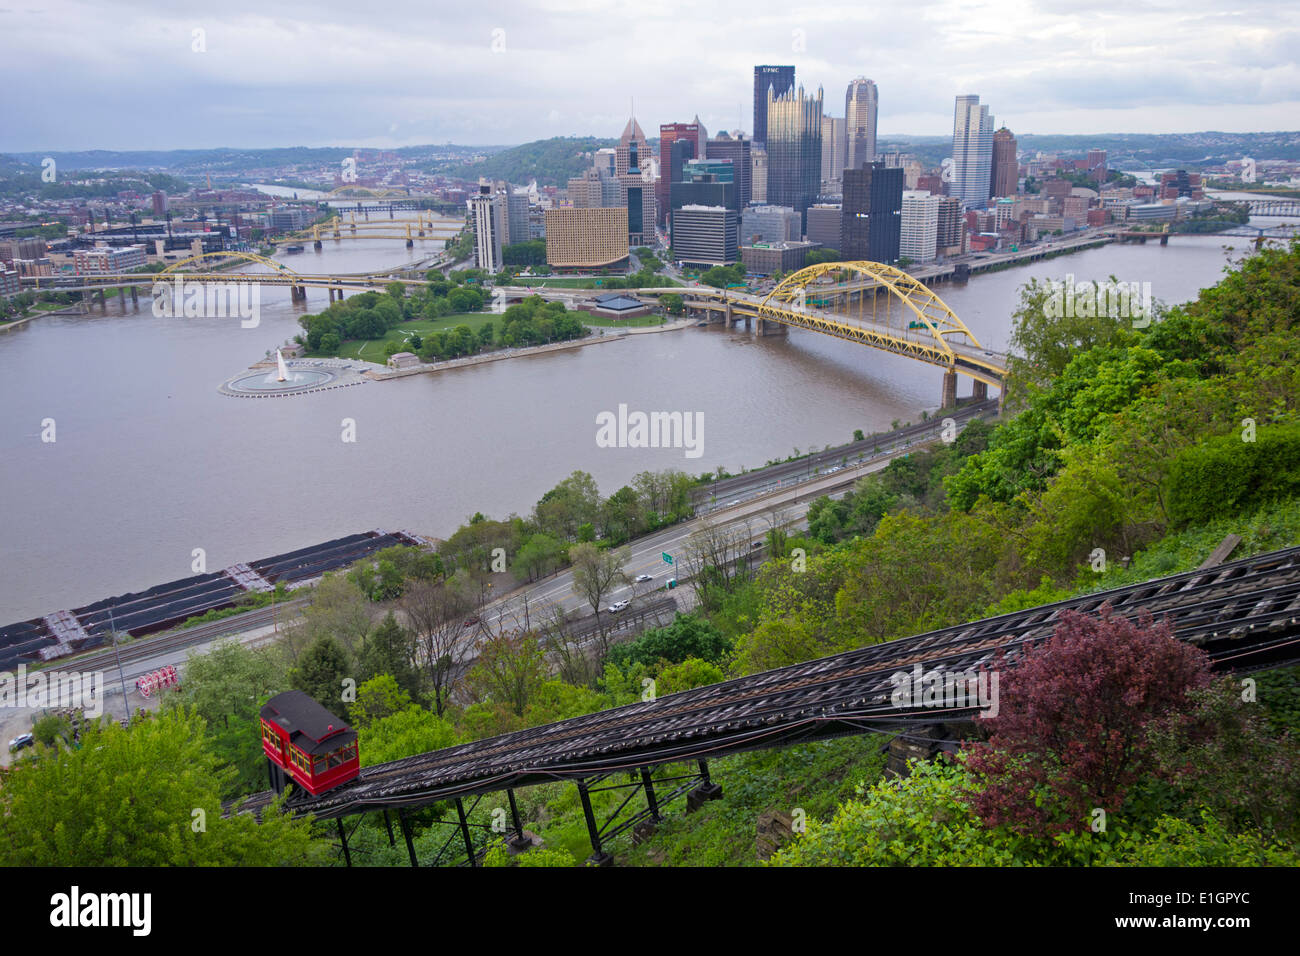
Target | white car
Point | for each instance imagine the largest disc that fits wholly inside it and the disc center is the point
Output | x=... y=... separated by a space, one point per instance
x=21 y=741
x=643 y=578
x=617 y=606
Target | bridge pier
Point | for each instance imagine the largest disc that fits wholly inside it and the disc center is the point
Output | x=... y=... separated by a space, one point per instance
x=317 y=245
x=1164 y=239
x=980 y=391
x=949 y=398
x=121 y=296
x=103 y=301
x=410 y=243
x=135 y=297
x=768 y=327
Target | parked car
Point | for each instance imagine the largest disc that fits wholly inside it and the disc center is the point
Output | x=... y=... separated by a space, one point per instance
x=21 y=741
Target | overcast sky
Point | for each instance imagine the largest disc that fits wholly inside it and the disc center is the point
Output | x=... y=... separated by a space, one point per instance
x=115 y=75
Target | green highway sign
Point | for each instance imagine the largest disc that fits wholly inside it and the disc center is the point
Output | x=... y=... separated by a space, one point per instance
x=668 y=558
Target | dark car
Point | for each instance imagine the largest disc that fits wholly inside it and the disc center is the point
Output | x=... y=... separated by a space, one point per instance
x=21 y=741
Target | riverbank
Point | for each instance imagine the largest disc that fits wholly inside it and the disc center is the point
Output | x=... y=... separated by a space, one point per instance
x=485 y=357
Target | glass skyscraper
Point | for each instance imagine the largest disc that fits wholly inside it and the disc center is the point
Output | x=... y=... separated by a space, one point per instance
x=972 y=153
x=794 y=149
x=861 y=104
x=781 y=80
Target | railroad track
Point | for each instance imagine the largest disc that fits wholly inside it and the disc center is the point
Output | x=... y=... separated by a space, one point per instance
x=1245 y=615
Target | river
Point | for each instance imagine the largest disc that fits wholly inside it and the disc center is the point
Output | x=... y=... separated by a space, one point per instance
x=150 y=462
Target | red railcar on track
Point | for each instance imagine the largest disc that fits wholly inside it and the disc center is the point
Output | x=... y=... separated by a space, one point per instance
x=305 y=743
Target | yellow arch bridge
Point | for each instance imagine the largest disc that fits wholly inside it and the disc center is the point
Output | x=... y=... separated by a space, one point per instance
x=866 y=302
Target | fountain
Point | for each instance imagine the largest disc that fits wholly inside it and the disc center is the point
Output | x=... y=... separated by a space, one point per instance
x=284 y=369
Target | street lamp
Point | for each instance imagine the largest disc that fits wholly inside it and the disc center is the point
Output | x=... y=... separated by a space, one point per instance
x=112 y=633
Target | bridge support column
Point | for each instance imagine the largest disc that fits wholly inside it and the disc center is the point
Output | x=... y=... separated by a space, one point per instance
x=749 y=322
x=406 y=832
x=464 y=832
x=598 y=856
x=135 y=297
x=121 y=297
x=519 y=842
x=410 y=243
x=317 y=245
x=706 y=791
x=103 y=301
x=980 y=391
x=1164 y=239
x=388 y=825
x=949 y=399
x=768 y=327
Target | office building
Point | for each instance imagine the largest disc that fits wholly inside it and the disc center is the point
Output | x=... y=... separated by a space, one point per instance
x=487 y=217
x=758 y=178
x=861 y=104
x=288 y=218
x=794 y=149
x=705 y=235
x=950 y=238
x=771 y=224
x=159 y=203
x=777 y=79
x=871 y=215
x=638 y=194
x=1097 y=165
x=824 y=224
x=769 y=258
x=919 y=230
x=737 y=149
x=517 y=228
x=1004 y=176
x=586 y=238
x=11 y=249
x=633 y=139
x=972 y=152
x=833 y=161
x=670 y=161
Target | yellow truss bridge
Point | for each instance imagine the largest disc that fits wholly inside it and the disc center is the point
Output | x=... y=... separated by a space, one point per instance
x=424 y=227
x=883 y=307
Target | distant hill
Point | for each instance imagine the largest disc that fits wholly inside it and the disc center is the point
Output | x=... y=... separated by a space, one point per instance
x=552 y=162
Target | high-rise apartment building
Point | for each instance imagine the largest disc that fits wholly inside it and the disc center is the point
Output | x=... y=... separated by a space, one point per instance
x=919 y=229
x=833 y=161
x=487 y=216
x=779 y=80
x=972 y=152
x=794 y=149
x=736 y=149
x=871 y=215
x=861 y=104
x=1004 y=177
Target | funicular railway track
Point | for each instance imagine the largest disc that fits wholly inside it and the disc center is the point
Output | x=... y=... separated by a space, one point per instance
x=1245 y=615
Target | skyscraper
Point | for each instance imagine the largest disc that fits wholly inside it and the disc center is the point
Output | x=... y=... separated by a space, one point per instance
x=920 y=226
x=632 y=136
x=736 y=149
x=832 y=149
x=1005 y=175
x=780 y=79
x=871 y=215
x=861 y=103
x=637 y=193
x=486 y=213
x=670 y=166
x=972 y=152
x=1097 y=165
x=794 y=149
x=758 y=157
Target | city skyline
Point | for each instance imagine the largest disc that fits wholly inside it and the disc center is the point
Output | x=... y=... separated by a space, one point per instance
x=320 y=75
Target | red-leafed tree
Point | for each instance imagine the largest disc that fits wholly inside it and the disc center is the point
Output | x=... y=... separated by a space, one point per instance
x=1071 y=731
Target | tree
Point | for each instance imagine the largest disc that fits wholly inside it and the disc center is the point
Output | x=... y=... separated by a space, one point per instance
x=673 y=303
x=378 y=698
x=572 y=503
x=389 y=650
x=540 y=555
x=595 y=574
x=436 y=612
x=148 y=796
x=1070 y=735
x=338 y=609
x=404 y=734
x=715 y=557
x=689 y=635
x=320 y=674
x=230 y=680
x=510 y=669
